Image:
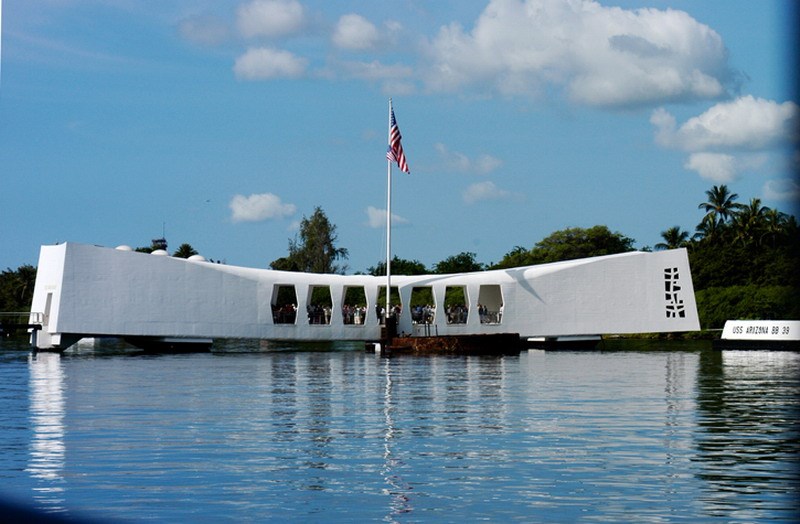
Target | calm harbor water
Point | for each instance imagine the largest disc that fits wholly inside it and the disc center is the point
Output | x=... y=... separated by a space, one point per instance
x=667 y=433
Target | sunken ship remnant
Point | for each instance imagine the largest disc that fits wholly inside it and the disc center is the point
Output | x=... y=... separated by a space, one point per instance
x=90 y=291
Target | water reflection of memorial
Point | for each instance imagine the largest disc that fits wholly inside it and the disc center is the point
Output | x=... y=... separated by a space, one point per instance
x=47 y=453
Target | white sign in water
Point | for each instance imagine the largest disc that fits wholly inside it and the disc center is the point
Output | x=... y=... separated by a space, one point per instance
x=761 y=330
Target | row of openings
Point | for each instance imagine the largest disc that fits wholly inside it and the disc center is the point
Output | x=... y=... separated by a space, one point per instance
x=355 y=309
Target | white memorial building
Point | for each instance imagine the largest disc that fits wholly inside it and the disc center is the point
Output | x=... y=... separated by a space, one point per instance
x=90 y=291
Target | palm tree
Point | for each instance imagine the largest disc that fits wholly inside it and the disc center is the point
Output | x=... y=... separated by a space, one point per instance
x=721 y=204
x=708 y=229
x=775 y=224
x=674 y=238
x=750 y=221
x=185 y=251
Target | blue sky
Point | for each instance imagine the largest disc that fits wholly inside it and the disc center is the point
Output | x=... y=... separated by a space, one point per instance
x=223 y=123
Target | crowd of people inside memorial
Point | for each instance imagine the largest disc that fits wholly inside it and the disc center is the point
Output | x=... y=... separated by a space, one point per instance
x=285 y=314
x=318 y=314
x=356 y=315
x=423 y=314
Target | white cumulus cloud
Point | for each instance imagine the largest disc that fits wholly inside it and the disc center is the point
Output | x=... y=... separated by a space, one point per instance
x=723 y=168
x=717 y=167
x=355 y=32
x=270 y=18
x=264 y=63
x=602 y=56
x=484 y=191
x=746 y=123
x=731 y=137
x=258 y=207
x=376 y=218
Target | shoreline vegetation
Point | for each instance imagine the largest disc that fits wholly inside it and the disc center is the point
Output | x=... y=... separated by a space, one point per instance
x=703 y=334
x=745 y=260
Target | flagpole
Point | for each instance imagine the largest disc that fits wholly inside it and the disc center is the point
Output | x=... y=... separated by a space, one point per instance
x=389 y=218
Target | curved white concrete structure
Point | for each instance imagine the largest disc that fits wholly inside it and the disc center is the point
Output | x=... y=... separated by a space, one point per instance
x=84 y=290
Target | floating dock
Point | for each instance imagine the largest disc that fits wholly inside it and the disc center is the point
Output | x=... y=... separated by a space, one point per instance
x=490 y=344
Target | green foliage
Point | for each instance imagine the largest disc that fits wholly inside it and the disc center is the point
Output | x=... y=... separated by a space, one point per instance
x=315 y=251
x=744 y=261
x=747 y=251
x=718 y=265
x=285 y=295
x=394 y=297
x=321 y=296
x=517 y=257
x=573 y=243
x=757 y=280
x=674 y=238
x=715 y=305
x=751 y=226
x=569 y=244
x=285 y=264
x=400 y=266
x=185 y=251
x=720 y=206
x=464 y=262
x=16 y=288
x=421 y=296
x=355 y=296
x=455 y=296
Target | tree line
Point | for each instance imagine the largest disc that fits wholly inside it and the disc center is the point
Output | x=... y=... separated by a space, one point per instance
x=744 y=258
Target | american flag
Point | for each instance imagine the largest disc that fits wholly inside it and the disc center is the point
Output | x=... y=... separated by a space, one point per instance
x=395 y=151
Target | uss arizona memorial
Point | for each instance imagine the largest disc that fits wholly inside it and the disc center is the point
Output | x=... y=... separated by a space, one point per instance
x=90 y=291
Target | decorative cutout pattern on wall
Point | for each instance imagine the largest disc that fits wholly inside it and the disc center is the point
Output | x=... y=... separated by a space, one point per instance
x=675 y=307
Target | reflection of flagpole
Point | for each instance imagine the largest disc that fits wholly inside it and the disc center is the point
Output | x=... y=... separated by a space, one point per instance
x=389 y=216
x=396 y=488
